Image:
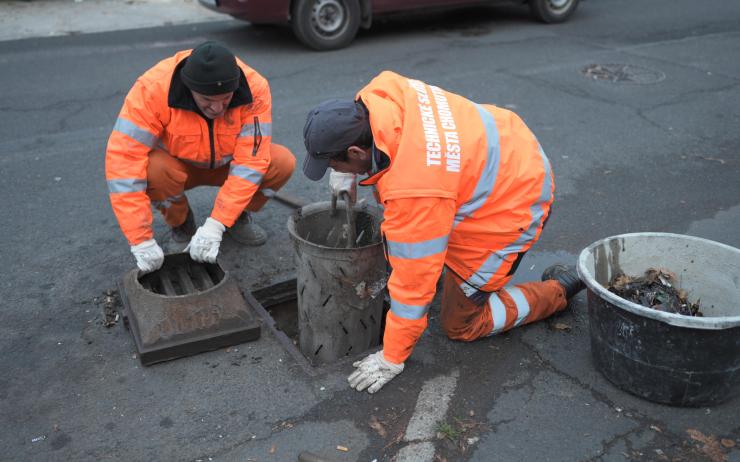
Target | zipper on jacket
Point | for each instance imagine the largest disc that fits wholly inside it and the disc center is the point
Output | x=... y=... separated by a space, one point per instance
x=257 y=136
x=210 y=138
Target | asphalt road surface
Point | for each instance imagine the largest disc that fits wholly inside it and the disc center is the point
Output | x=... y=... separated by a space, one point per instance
x=655 y=147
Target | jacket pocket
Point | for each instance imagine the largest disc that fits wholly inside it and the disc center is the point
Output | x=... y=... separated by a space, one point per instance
x=226 y=139
x=187 y=144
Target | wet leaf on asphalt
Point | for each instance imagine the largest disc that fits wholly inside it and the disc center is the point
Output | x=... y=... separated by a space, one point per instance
x=376 y=425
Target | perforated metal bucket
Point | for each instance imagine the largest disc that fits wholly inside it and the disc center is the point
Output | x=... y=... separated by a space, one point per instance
x=340 y=290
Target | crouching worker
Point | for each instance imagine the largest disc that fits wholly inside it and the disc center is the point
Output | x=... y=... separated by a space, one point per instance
x=464 y=186
x=200 y=117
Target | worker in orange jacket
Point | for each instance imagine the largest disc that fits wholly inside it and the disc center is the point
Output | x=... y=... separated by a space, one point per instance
x=200 y=117
x=465 y=187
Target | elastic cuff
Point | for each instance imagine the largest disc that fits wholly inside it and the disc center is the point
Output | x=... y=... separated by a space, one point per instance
x=142 y=244
x=214 y=223
x=392 y=362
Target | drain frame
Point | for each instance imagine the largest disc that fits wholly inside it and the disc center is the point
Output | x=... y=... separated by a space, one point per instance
x=166 y=326
x=261 y=299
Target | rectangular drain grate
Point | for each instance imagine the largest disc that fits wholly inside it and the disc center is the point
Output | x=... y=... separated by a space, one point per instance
x=183 y=279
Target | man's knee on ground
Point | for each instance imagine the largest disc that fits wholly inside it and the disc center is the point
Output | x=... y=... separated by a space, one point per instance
x=460 y=333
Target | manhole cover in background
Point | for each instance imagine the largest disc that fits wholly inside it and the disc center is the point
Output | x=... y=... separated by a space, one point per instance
x=623 y=73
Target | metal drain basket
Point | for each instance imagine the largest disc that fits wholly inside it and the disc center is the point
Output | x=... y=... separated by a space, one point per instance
x=340 y=290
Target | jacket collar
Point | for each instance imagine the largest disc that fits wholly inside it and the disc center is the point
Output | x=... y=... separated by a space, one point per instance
x=180 y=96
x=381 y=162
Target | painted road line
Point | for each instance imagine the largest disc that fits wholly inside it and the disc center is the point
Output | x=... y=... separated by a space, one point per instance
x=416 y=452
x=431 y=407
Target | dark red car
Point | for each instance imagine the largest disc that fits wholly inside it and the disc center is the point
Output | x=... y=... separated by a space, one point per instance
x=330 y=24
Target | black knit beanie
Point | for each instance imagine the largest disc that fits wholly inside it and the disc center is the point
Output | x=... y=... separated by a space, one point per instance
x=211 y=70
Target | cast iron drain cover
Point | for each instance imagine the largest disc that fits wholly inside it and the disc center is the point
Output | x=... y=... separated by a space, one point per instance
x=623 y=73
x=185 y=308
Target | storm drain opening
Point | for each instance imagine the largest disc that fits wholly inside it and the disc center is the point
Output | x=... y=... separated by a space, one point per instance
x=623 y=73
x=185 y=308
x=278 y=306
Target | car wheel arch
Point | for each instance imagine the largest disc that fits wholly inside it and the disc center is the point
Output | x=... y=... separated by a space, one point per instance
x=366 y=7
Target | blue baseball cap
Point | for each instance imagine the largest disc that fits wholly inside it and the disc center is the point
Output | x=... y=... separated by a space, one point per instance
x=331 y=128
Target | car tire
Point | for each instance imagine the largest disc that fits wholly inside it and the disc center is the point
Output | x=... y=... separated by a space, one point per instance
x=552 y=11
x=326 y=24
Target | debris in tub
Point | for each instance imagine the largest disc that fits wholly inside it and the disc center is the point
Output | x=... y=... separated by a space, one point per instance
x=657 y=289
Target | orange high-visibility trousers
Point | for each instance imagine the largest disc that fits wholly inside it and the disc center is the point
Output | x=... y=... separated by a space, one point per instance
x=168 y=178
x=509 y=307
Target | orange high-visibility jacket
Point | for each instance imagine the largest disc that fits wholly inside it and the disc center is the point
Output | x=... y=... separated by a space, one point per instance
x=159 y=113
x=468 y=186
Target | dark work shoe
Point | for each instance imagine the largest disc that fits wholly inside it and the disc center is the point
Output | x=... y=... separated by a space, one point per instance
x=567 y=277
x=182 y=234
x=245 y=231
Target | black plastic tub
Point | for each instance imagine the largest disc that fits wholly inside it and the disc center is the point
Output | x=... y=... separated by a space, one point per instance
x=665 y=357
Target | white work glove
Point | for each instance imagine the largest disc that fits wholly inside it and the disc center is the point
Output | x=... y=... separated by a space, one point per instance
x=204 y=244
x=343 y=182
x=149 y=255
x=373 y=372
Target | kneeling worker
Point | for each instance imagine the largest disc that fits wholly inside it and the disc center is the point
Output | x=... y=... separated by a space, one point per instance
x=464 y=186
x=200 y=117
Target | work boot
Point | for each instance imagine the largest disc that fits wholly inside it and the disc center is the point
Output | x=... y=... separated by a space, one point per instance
x=567 y=277
x=180 y=235
x=185 y=231
x=246 y=231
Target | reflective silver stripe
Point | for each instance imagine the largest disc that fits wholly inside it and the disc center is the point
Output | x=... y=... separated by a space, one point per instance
x=248 y=129
x=417 y=249
x=246 y=173
x=537 y=211
x=141 y=135
x=467 y=289
x=408 y=311
x=218 y=163
x=167 y=203
x=487 y=180
x=195 y=163
x=225 y=159
x=486 y=271
x=522 y=305
x=126 y=185
x=498 y=313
